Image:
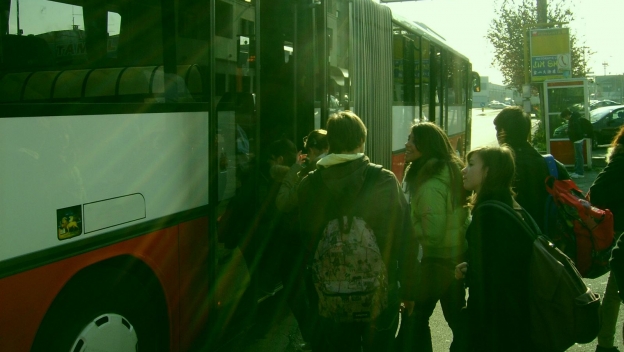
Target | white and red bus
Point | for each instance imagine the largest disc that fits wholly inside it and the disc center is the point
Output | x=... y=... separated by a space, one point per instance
x=126 y=127
x=432 y=82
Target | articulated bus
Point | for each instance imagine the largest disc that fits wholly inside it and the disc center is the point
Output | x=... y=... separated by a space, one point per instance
x=128 y=126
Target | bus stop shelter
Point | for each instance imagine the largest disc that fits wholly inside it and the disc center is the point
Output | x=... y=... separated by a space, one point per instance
x=560 y=94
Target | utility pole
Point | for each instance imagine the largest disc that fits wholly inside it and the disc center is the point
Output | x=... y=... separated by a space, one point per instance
x=621 y=87
x=542 y=11
x=605 y=64
x=542 y=18
x=19 y=30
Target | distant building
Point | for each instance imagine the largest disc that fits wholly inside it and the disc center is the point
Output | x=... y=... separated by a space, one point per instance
x=607 y=88
x=491 y=91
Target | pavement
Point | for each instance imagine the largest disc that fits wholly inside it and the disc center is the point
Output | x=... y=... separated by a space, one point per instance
x=275 y=330
x=598 y=163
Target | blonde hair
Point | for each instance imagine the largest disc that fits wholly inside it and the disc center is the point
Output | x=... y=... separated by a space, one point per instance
x=345 y=132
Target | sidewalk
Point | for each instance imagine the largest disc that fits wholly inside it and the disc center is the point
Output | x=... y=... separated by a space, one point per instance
x=598 y=163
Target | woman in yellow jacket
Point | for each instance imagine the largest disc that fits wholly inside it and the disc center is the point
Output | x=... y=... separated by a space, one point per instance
x=433 y=185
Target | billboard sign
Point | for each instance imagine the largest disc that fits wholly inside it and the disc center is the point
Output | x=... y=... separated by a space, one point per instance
x=550 y=54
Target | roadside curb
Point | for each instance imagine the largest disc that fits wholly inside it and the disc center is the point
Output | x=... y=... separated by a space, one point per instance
x=599 y=161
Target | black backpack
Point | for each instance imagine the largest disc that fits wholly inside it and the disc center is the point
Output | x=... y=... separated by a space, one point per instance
x=564 y=311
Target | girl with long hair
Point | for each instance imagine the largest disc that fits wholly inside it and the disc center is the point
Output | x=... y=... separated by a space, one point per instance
x=433 y=185
x=496 y=273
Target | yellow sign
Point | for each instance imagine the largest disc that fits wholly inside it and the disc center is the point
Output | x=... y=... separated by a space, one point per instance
x=550 y=54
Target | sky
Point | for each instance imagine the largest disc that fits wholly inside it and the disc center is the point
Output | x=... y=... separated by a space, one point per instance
x=599 y=24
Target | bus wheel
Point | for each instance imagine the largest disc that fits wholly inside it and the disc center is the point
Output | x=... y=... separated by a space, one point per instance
x=106 y=333
x=109 y=311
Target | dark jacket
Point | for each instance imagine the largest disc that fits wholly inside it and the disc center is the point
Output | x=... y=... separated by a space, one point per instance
x=607 y=191
x=252 y=222
x=497 y=277
x=251 y=213
x=617 y=263
x=531 y=172
x=579 y=128
x=387 y=213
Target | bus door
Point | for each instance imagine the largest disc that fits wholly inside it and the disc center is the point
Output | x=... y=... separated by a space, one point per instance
x=436 y=92
x=233 y=67
x=457 y=96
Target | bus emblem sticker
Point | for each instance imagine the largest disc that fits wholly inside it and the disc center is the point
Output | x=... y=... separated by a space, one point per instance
x=69 y=222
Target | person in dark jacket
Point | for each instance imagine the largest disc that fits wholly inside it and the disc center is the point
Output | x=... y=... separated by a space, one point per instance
x=607 y=192
x=316 y=146
x=578 y=129
x=617 y=268
x=497 y=313
x=513 y=128
x=342 y=174
x=266 y=236
x=254 y=226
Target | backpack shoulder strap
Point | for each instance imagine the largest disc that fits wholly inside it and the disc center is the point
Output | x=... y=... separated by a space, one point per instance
x=374 y=170
x=528 y=224
x=552 y=165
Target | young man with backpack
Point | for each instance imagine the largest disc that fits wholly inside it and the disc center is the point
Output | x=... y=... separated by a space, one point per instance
x=513 y=128
x=354 y=222
x=549 y=203
x=578 y=129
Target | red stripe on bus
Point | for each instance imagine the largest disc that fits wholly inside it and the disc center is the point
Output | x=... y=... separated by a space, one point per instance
x=168 y=252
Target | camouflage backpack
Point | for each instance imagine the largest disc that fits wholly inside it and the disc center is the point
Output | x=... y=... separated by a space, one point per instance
x=349 y=274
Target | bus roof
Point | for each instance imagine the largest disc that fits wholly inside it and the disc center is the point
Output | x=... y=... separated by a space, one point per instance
x=426 y=32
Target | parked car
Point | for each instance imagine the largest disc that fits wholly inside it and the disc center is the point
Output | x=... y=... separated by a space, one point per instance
x=498 y=105
x=561 y=131
x=606 y=122
x=595 y=104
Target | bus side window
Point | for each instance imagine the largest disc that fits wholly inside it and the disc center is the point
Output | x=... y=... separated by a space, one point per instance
x=96 y=41
x=20 y=51
x=140 y=35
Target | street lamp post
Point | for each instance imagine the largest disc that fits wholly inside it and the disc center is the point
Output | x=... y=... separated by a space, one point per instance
x=621 y=88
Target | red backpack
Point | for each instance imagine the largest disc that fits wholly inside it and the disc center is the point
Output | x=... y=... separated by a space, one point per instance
x=584 y=232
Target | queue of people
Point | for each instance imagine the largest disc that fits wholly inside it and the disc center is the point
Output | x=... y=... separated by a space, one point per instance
x=373 y=256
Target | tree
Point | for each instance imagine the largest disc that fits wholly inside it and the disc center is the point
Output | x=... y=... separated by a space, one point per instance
x=506 y=34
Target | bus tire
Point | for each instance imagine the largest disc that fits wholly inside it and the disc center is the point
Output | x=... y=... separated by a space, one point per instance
x=95 y=294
